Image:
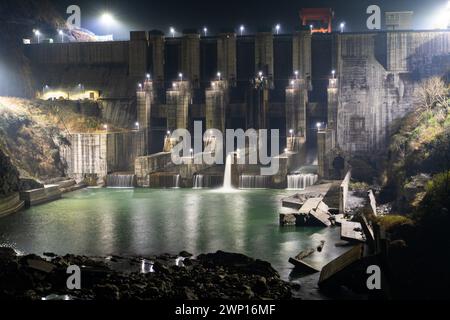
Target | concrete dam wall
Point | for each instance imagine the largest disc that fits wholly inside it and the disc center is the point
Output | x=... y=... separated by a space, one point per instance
x=378 y=74
x=99 y=154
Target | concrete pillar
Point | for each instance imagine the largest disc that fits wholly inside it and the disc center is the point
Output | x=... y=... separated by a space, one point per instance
x=301 y=53
x=216 y=102
x=145 y=99
x=397 y=51
x=156 y=40
x=138 y=51
x=190 y=58
x=296 y=101
x=332 y=92
x=325 y=146
x=226 y=56
x=178 y=99
x=258 y=108
x=264 y=54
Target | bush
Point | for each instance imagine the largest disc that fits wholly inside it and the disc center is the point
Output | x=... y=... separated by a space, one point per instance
x=433 y=211
x=359 y=186
x=392 y=222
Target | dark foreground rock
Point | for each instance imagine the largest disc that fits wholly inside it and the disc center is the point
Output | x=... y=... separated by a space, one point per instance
x=218 y=275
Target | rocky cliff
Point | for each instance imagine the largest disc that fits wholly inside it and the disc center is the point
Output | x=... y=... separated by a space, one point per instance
x=33 y=133
x=9 y=176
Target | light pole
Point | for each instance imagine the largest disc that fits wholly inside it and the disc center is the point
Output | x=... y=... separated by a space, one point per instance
x=219 y=76
x=61 y=33
x=105 y=126
x=291 y=144
x=172 y=31
x=37 y=33
x=277 y=28
x=296 y=74
x=311 y=27
x=137 y=125
x=318 y=125
x=180 y=75
x=342 y=26
x=192 y=153
x=205 y=30
x=333 y=73
x=241 y=29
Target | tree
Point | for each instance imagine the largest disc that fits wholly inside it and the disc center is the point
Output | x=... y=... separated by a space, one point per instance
x=432 y=93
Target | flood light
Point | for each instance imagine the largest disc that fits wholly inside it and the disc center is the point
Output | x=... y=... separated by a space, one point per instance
x=107 y=19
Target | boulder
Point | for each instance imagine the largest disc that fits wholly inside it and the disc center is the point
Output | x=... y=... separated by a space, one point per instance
x=239 y=263
x=260 y=286
x=41 y=265
x=288 y=219
x=185 y=254
x=7 y=253
x=106 y=292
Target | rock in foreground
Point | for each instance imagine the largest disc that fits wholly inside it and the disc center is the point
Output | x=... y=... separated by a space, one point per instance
x=218 y=275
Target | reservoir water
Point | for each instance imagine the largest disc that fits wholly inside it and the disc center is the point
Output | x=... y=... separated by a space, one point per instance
x=156 y=221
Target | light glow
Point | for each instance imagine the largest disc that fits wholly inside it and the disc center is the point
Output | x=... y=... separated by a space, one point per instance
x=277 y=28
x=107 y=19
x=441 y=19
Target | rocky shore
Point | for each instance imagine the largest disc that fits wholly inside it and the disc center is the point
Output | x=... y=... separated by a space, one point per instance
x=219 y=275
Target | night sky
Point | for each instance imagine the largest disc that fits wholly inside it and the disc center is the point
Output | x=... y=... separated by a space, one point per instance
x=161 y=14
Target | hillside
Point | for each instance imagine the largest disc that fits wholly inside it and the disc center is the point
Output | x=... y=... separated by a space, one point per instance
x=420 y=147
x=417 y=182
x=32 y=132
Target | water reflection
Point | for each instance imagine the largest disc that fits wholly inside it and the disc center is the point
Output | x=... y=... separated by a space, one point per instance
x=146 y=222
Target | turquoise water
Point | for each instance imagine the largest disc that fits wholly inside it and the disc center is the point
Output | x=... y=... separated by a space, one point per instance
x=149 y=221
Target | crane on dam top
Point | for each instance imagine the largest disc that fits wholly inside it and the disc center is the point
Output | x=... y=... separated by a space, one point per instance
x=317 y=19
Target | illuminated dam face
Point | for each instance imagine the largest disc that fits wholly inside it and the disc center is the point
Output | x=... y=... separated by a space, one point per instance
x=262 y=81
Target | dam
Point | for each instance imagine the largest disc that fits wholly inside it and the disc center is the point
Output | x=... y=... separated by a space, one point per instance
x=302 y=159
x=332 y=95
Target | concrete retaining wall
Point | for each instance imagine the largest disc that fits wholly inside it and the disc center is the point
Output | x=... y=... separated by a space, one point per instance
x=146 y=165
x=372 y=202
x=100 y=153
x=38 y=196
x=10 y=204
x=343 y=192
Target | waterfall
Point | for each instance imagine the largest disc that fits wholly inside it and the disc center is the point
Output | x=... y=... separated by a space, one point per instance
x=176 y=181
x=200 y=181
x=301 y=181
x=227 y=174
x=118 y=180
x=253 y=182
